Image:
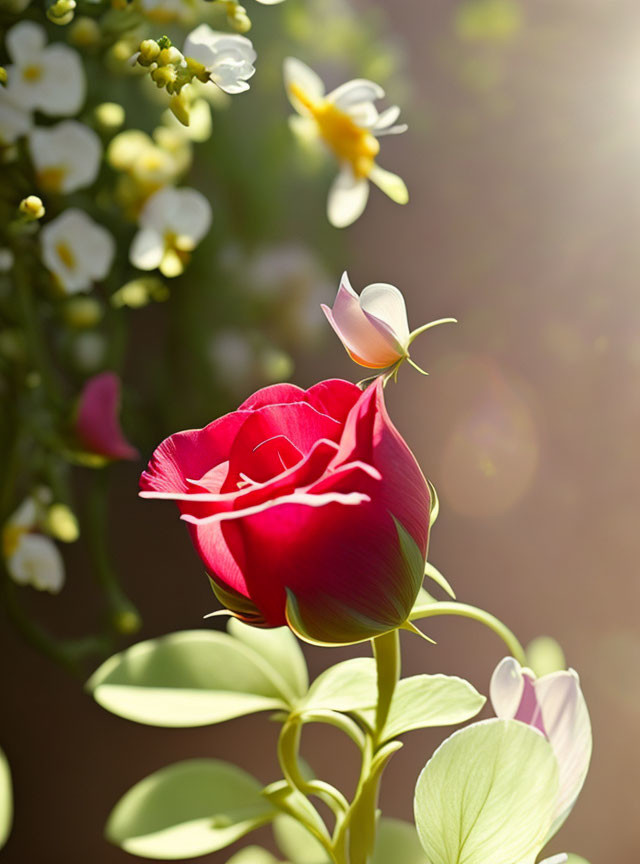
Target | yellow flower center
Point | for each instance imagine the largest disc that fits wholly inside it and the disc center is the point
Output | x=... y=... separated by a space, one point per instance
x=349 y=142
x=32 y=72
x=66 y=255
x=176 y=254
x=52 y=177
x=11 y=535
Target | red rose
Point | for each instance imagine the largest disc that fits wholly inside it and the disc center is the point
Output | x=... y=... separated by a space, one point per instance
x=306 y=507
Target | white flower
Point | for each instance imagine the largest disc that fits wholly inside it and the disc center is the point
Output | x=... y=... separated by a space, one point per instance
x=555 y=706
x=31 y=557
x=76 y=250
x=227 y=58
x=172 y=224
x=6 y=260
x=14 y=121
x=349 y=124
x=37 y=561
x=66 y=156
x=49 y=78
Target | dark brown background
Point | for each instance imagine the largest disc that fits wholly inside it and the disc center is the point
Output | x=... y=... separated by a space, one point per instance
x=524 y=224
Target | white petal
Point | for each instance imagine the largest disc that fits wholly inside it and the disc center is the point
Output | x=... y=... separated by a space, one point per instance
x=347 y=199
x=147 y=249
x=14 y=121
x=25 y=41
x=305 y=129
x=566 y=722
x=355 y=92
x=298 y=73
x=71 y=146
x=61 y=87
x=192 y=215
x=390 y=184
x=37 y=561
x=386 y=303
x=388 y=117
x=91 y=246
x=507 y=686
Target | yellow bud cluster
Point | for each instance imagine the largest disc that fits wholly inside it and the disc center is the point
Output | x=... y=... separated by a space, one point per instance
x=32 y=207
x=61 y=12
x=237 y=16
x=85 y=32
x=169 y=70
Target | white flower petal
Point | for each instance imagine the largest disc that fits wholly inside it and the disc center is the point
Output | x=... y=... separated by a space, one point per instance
x=355 y=92
x=386 y=304
x=147 y=249
x=227 y=57
x=37 y=562
x=387 y=117
x=298 y=73
x=506 y=689
x=305 y=129
x=183 y=211
x=70 y=146
x=25 y=40
x=76 y=249
x=390 y=184
x=347 y=199
x=14 y=121
x=566 y=722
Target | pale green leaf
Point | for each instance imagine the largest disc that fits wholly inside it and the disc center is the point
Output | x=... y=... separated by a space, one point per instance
x=253 y=855
x=487 y=795
x=576 y=859
x=192 y=678
x=280 y=648
x=397 y=842
x=6 y=799
x=439 y=579
x=431 y=700
x=297 y=843
x=187 y=809
x=346 y=686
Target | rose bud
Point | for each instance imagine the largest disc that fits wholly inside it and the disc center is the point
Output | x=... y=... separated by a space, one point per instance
x=373 y=327
x=97 y=423
x=307 y=509
x=555 y=706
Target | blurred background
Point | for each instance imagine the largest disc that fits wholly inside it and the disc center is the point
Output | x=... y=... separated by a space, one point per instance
x=523 y=163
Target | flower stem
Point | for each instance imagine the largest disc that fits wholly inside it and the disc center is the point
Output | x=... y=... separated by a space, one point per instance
x=386 y=651
x=463 y=610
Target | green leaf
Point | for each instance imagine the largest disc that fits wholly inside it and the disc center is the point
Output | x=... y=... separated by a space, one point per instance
x=346 y=686
x=487 y=795
x=187 y=809
x=397 y=841
x=430 y=700
x=297 y=843
x=6 y=800
x=192 y=678
x=576 y=859
x=253 y=855
x=280 y=648
x=439 y=579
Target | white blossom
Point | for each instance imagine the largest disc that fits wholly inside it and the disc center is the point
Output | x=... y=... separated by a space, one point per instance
x=66 y=156
x=37 y=561
x=76 y=250
x=227 y=57
x=49 y=78
x=14 y=120
x=349 y=124
x=172 y=224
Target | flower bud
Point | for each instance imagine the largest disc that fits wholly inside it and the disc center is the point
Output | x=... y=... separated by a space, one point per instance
x=110 y=116
x=32 y=207
x=85 y=32
x=149 y=51
x=61 y=12
x=238 y=18
x=3 y=75
x=164 y=75
x=170 y=56
x=82 y=312
x=61 y=523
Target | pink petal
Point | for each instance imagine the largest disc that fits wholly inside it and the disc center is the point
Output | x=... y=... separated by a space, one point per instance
x=97 y=424
x=275 y=394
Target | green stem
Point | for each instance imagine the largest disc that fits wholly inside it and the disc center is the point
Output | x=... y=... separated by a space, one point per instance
x=462 y=610
x=386 y=651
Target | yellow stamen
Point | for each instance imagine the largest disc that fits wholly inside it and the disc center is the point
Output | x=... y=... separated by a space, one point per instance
x=32 y=73
x=52 y=178
x=350 y=143
x=66 y=255
x=175 y=256
x=11 y=535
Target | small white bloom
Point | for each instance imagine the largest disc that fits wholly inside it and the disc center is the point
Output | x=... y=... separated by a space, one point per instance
x=37 y=561
x=14 y=120
x=49 y=78
x=66 y=156
x=228 y=58
x=76 y=250
x=6 y=260
x=349 y=124
x=172 y=224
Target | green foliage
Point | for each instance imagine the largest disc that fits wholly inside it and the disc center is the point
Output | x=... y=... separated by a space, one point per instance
x=6 y=800
x=280 y=648
x=487 y=795
x=187 y=809
x=396 y=843
x=346 y=686
x=253 y=855
x=192 y=678
x=429 y=700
